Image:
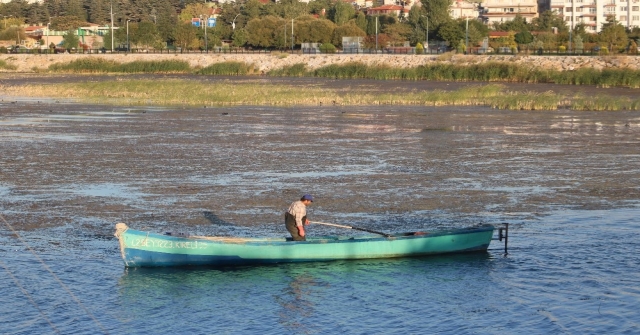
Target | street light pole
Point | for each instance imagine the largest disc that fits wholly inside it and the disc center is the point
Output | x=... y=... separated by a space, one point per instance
x=5 y=20
x=112 y=37
x=466 y=45
x=128 y=48
x=233 y=24
x=376 y=34
x=570 y=33
x=427 y=32
x=206 y=43
x=291 y=35
x=48 y=24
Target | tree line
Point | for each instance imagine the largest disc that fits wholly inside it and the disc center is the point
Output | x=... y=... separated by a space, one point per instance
x=289 y=23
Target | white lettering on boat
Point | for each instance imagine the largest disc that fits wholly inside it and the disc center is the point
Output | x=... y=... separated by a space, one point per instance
x=162 y=244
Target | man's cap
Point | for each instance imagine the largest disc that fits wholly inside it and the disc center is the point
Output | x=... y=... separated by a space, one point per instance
x=307 y=197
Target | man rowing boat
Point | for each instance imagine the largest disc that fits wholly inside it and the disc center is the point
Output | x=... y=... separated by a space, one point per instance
x=296 y=217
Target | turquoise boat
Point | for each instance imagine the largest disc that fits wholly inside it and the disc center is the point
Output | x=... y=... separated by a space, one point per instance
x=147 y=249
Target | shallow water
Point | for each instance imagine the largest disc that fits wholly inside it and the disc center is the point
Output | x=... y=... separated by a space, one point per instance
x=571 y=272
x=566 y=181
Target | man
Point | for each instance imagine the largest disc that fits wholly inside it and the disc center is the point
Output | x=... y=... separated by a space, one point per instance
x=296 y=217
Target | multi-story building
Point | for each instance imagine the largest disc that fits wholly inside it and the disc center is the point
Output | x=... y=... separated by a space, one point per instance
x=461 y=9
x=506 y=10
x=593 y=13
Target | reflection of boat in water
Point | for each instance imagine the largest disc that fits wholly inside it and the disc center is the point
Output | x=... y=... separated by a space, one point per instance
x=142 y=249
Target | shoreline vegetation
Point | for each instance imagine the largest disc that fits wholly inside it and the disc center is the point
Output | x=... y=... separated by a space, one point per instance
x=170 y=92
x=488 y=71
x=178 y=92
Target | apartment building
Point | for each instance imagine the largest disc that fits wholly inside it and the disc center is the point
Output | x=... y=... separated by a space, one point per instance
x=506 y=10
x=593 y=13
x=461 y=9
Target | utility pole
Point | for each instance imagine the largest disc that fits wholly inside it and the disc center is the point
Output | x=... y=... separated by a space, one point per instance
x=112 y=37
x=376 y=34
x=128 y=48
x=466 y=44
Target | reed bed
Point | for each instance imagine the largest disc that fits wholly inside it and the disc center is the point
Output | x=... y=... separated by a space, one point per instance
x=227 y=69
x=177 y=92
x=101 y=65
x=485 y=72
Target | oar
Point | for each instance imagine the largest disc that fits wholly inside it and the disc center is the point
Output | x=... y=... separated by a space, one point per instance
x=350 y=227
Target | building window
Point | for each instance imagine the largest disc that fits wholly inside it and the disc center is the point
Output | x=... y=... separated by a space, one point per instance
x=634 y=8
x=636 y=18
x=623 y=8
x=567 y=18
x=623 y=18
x=593 y=10
x=568 y=9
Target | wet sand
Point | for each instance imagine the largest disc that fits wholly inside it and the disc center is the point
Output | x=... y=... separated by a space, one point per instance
x=386 y=167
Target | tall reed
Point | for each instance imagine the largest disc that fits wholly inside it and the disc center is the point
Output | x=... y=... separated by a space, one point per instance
x=101 y=65
x=227 y=69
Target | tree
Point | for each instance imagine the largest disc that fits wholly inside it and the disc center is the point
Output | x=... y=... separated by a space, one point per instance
x=239 y=37
x=398 y=33
x=70 y=40
x=523 y=37
x=547 y=39
x=341 y=13
x=74 y=8
x=451 y=32
x=64 y=23
x=549 y=20
x=186 y=36
x=315 y=31
x=346 y=30
x=196 y=10
x=361 y=21
x=477 y=31
x=437 y=12
x=577 y=44
x=266 y=32
x=145 y=35
x=518 y=23
x=613 y=34
x=369 y=41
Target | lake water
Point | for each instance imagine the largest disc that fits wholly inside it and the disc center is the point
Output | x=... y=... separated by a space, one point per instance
x=572 y=272
x=566 y=181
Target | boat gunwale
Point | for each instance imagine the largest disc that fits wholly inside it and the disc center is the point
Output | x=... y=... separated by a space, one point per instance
x=315 y=240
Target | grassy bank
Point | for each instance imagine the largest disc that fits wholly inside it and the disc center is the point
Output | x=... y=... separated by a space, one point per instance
x=490 y=71
x=174 y=92
x=440 y=71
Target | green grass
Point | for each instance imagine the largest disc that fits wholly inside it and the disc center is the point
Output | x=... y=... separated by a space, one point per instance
x=227 y=69
x=7 y=66
x=100 y=65
x=170 y=92
x=485 y=72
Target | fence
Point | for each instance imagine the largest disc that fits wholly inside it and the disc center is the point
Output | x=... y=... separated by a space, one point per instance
x=395 y=51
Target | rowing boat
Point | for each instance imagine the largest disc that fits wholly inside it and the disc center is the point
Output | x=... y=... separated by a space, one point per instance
x=147 y=249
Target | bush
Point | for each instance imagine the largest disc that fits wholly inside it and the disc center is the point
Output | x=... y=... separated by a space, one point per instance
x=419 y=49
x=328 y=48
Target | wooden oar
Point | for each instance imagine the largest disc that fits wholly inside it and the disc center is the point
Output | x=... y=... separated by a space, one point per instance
x=350 y=227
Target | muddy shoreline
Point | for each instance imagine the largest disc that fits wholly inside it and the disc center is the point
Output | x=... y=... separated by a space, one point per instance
x=229 y=171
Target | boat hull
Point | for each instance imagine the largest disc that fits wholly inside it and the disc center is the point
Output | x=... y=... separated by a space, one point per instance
x=145 y=249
